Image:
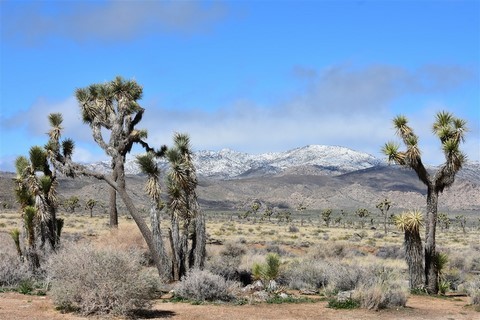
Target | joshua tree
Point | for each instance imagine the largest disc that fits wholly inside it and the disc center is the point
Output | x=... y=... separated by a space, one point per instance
x=35 y=190
x=410 y=223
x=384 y=206
x=450 y=130
x=71 y=204
x=362 y=213
x=184 y=210
x=462 y=221
x=443 y=220
x=113 y=106
x=111 y=109
x=90 y=204
x=327 y=216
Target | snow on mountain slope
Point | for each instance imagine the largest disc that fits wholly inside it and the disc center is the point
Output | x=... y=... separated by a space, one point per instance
x=227 y=164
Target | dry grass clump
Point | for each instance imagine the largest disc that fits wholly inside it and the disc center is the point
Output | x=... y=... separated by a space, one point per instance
x=12 y=270
x=307 y=274
x=125 y=237
x=381 y=289
x=99 y=281
x=202 y=285
x=473 y=291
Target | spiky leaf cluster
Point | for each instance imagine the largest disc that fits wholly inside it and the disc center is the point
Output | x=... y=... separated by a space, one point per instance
x=148 y=166
x=98 y=102
x=409 y=221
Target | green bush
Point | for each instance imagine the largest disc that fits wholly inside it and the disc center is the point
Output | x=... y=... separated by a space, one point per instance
x=269 y=270
x=100 y=281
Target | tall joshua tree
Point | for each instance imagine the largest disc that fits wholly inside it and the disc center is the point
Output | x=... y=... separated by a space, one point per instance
x=111 y=109
x=113 y=106
x=451 y=131
x=184 y=210
x=410 y=223
x=187 y=222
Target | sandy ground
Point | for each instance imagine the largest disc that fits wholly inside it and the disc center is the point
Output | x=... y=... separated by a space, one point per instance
x=15 y=306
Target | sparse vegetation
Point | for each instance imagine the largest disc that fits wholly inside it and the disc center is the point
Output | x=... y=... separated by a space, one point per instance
x=202 y=285
x=82 y=280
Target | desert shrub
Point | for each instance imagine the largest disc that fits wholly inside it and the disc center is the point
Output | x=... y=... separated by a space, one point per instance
x=390 y=252
x=344 y=277
x=336 y=250
x=12 y=270
x=473 y=291
x=308 y=274
x=381 y=289
x=100 y=281
x=227 y=262
x=202 y=285
x=293 y=228
x=381 y=296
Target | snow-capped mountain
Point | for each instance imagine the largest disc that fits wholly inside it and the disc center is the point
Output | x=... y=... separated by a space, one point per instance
x=227 y=164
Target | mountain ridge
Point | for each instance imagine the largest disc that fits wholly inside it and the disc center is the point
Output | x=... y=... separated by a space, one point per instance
x=228 y=164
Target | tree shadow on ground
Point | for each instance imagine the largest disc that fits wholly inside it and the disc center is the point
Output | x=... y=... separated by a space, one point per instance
x=152 y=314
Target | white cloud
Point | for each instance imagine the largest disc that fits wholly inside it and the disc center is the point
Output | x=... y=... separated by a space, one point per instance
x=33 y=22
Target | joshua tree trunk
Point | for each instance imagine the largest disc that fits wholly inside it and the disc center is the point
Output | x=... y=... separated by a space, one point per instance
x=113 y=202
x=431 y=272
x=413 y=250
x=142 y=226
x=157 y=238
x=175 y=247
x=198 y=241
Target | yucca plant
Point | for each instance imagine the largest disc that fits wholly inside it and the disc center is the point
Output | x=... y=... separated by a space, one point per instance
x=451 y=133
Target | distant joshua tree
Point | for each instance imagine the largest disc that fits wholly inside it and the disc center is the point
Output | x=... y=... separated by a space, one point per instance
x=384 y=206
x=451 y=132
x=90 y=204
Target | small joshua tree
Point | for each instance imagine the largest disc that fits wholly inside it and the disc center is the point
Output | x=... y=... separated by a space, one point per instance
x=409 y=223
x=362 y=213
x=90 y=204
x=451 y=133
x=327 y=216
x=384 y=206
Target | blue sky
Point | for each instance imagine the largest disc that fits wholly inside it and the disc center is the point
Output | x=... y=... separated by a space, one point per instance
x=253 y=76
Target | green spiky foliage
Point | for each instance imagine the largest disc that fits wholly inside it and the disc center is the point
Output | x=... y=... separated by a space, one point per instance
x=148 y=166
x=15 y=234
x=451 y=133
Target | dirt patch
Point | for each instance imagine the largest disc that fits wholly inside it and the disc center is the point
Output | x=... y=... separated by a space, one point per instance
x=16 y=306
